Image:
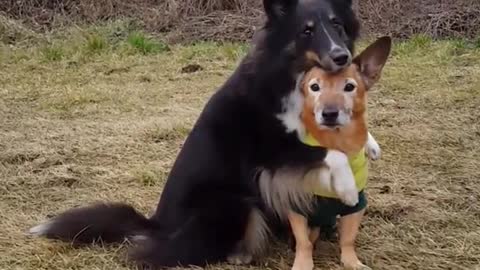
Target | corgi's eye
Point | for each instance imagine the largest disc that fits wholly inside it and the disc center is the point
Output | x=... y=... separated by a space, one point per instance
x=315 y=87
x=349 y=87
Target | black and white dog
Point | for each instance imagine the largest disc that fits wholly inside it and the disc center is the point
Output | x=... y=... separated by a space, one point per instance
x=210 y=209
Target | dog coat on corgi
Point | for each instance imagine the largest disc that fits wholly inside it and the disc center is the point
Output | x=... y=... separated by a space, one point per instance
x=358 y=164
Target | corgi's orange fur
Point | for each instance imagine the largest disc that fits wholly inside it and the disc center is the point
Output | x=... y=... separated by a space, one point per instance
x=351 y=138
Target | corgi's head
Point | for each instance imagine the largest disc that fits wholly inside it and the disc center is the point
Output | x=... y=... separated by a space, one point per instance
x=336 y=98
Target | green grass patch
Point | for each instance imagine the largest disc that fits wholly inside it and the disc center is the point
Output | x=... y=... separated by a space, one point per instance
x=146 y=45
x=95 y=44
x=234 y=51
x=227 y=53
x=83 y=44
x=53 y=53
x=476 y=43
x=204 y=50
x=149 y=177
x=416 y=44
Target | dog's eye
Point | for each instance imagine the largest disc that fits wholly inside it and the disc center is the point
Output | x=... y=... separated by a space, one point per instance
x=349 y=87
x=339 y=28
x=338 y=25
x=315 y=87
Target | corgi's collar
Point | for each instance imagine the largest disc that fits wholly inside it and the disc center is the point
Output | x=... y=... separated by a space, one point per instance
x=309 y=140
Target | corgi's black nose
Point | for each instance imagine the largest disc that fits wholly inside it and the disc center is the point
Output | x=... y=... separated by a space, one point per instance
x=330 y=115
x=340 y=57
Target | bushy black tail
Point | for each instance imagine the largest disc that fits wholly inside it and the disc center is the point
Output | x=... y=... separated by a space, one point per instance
x=109 y=223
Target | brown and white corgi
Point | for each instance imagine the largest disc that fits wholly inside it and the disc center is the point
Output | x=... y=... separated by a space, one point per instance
x=334 y=116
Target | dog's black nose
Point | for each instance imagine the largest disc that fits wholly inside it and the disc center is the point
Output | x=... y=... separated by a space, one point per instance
x=330 y=115
x=340 y=57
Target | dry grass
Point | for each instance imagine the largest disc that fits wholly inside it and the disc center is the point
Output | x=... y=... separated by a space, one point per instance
x=106 y=124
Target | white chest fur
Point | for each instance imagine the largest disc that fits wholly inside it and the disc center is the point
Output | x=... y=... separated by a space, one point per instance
x=292 y=108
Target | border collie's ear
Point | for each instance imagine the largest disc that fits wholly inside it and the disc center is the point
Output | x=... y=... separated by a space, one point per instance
x=372 y=59
x=276 y=9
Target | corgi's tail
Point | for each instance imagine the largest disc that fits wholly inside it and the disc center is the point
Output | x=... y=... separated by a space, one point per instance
x=110 y=223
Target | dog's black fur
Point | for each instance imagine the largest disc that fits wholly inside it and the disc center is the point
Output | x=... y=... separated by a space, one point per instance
x=211 y=190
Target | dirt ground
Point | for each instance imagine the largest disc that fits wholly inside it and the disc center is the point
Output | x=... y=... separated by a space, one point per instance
x=87 y=123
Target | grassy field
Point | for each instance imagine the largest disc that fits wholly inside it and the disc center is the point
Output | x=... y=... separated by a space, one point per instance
x=96 y=114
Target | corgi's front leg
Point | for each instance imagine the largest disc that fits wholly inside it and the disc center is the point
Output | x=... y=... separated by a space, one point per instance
x=343 y=179
x=372 y=148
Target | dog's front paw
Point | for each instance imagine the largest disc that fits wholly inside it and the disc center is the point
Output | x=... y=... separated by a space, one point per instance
x=374 y=152
x=325 y=179
x=348 y=196
x=373 y=149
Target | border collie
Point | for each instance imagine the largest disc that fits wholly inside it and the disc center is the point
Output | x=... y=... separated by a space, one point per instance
x=211 y=209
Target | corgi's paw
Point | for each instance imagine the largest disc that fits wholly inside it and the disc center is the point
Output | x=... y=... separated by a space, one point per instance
x=373 y=149
x=374 y=153
x=303 y=262
x=348 y=196
x=349 y=258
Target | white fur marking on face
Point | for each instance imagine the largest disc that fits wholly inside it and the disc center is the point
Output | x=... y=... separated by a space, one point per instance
x=343 y=118
x=348 y=97
x=333 y=45
x=372 y=148
x=319 y=116
x=292 y=109
x=343 y=179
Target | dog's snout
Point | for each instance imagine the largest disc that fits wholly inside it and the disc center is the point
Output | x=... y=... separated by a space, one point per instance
x=330 y=115
x=340 y=57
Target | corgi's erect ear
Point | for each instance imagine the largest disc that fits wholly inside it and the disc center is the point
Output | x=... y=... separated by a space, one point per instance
x=372 y=59
x=276 y=9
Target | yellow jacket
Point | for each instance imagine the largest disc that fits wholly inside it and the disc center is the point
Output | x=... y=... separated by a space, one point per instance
x=358 y=164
